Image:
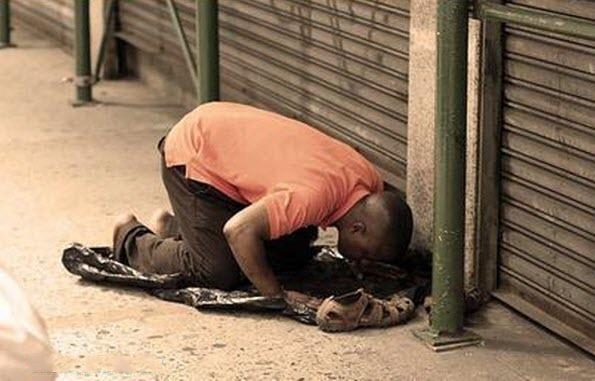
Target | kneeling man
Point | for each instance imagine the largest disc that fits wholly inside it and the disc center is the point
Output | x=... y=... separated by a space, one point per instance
x=248 y=188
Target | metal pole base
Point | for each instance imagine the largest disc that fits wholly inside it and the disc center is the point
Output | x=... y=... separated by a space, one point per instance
x=444 y=342
x=79 y=103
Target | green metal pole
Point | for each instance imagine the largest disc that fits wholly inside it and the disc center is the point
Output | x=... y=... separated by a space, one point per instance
x=208 y=50
x=82 y=51
x=446 y=321
x=449 y=167
x=4 y=23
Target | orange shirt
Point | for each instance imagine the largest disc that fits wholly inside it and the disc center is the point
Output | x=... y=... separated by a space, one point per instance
x=303 y=176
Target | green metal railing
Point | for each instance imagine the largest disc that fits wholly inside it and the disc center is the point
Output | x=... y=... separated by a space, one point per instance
x=190 y=61
x=4 y=23
x=204 y=70
x=83 y=81
x=570 y=26
x=207 y=29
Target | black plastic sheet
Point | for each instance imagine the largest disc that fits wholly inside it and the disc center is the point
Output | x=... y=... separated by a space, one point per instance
x=326 y=275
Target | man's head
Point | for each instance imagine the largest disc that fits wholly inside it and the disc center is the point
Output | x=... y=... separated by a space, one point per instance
x=377 y=228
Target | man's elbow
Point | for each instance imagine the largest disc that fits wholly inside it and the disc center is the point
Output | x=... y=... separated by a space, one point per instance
x=231 y=231
x=235 y=232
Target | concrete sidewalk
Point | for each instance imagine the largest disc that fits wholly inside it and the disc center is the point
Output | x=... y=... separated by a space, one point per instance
x=66 y=172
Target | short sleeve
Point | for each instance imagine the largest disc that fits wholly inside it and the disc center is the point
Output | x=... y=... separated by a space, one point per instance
x=293 y=209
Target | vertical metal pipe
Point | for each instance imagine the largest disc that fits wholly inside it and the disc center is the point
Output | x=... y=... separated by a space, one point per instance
x=107 y=33
x=449 y=164
x=82 y=51
x=208 y=50
x=175 y=18
x=4 y=23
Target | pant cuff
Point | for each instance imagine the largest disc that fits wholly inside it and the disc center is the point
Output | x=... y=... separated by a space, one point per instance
x=125 y=242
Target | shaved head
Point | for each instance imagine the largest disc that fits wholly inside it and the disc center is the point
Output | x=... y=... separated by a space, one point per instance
x=378 y=228
x=390 y=218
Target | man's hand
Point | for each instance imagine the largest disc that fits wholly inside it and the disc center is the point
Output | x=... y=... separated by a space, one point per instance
x=246 y=233
x=297 y=299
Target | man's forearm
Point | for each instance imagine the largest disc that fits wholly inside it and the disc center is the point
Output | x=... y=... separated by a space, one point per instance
x=248 y=250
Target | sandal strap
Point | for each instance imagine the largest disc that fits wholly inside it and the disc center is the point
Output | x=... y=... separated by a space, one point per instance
x=386 y=314
x=332 y=315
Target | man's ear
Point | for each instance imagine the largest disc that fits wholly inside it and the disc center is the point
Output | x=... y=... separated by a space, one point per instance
x=357 y=227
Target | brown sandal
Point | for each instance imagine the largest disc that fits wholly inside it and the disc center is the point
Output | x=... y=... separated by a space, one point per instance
x=359 y=309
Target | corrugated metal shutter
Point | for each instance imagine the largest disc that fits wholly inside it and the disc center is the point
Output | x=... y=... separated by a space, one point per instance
x=147 y=25
x=547 y=206
x=340 y=66
x=53 y=17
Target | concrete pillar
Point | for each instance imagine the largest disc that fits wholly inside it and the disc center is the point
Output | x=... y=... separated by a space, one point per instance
x=421 y=127
x=420 y=139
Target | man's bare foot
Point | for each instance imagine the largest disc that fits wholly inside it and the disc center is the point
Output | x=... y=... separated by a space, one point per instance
x=121 y=221
x=163 y=223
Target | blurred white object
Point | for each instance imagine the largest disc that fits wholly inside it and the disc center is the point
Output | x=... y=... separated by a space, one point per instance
x=25 y=351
